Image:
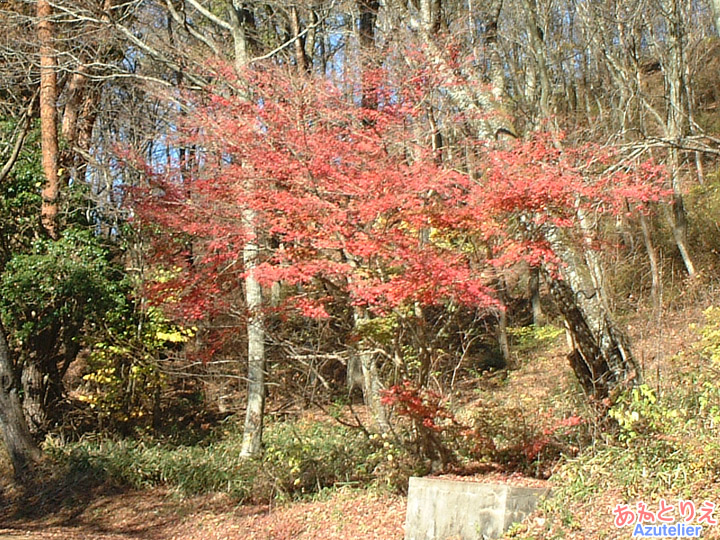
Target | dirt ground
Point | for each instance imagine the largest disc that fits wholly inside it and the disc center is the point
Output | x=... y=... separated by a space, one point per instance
x=104 y=513
x=158 y=514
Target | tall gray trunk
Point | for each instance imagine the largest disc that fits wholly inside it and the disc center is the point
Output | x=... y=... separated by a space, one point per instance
x=371 y=390
x=715 y=4
x=676 y=124
x=678 y=221
x=371 y=383
x=252 y=434
x=13 y=427
x=540 y=72
x=255 y=410
x=353 y=373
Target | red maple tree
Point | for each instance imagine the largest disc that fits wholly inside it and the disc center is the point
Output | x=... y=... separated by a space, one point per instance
x=343 y=195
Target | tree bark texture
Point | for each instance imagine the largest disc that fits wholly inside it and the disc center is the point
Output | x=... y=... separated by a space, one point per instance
x=676 y=123
x=601 y=355
x=255 y=410
x=366 y=44
x=49 y=211
x=364 y=359
x=371 y=390
x=715 y=4
x=16 y=435
x=534 y=292
x=252 y=434
x=301 y=57
x=33 y=403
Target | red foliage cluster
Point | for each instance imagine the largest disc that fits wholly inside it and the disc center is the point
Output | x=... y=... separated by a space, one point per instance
x=340 y=198
x=549 y=436
x=423 y=406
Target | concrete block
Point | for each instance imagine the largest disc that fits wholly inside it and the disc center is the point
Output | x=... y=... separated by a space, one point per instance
x=450 y=510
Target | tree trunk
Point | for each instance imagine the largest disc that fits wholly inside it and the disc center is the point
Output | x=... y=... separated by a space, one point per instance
x=654 y=263
x=255 y=411
x=73 y=107
x=676 y=124
x=501 y=335
x=48 y=121
x=371 y=383
x=16 y=435
x=540 y=57
x=601 y=355
x=371 y=390
x=534 y=291
x=715 y=4
x=353 y=373
x=252 y=434
x=366 y=44
x=33 y=402
x=71 y=121
x=678 y=220
x=501 y=331
x=301 y=58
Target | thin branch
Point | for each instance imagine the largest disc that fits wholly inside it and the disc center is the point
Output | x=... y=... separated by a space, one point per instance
x=182 y=21
x=15 y=154
x=293 y=39
x=155 y=53
x=694 y=143
x=210 y=15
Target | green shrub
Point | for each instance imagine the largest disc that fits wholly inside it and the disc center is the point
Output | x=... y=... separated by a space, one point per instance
x=301 y=457
x=306 y=456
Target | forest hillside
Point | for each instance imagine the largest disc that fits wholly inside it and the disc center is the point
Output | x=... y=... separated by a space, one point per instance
x=263 y=261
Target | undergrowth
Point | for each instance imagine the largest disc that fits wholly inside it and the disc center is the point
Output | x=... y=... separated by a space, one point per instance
x=664 y=445
x=300 y=457
x=655 y=445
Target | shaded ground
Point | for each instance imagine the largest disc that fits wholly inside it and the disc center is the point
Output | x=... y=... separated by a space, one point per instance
x=157 y=514
x=103 y=513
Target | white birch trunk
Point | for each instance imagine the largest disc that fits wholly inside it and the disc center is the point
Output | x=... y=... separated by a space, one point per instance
x=252 y=433
x=254 y=413
x=371 y=383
